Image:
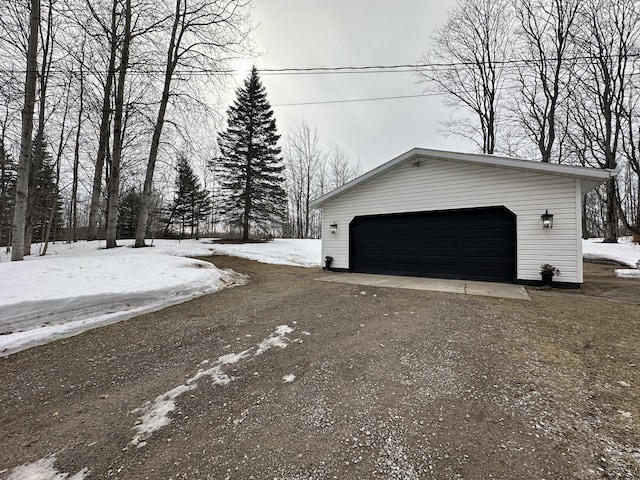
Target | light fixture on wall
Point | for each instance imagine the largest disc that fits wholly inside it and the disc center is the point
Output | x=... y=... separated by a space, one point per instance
x=547 y=219
x=333 y=228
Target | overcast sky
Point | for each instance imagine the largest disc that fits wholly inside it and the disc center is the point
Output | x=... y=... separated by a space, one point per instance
x=331 y=33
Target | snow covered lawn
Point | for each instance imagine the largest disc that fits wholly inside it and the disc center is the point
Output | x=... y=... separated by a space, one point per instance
x=624 y=251
x=80 y=286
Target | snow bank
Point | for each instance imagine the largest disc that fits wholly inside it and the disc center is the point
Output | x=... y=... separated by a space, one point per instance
x=80 y=286
x=304 y=253
x=624 y=252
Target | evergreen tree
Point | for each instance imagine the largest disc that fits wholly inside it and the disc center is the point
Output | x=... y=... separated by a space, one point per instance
x=8 y=170
x=191 y=202
x=252 y=176
x=45 y=197
x=128 y=213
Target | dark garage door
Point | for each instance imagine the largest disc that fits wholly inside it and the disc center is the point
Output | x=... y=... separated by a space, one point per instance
x=470 y=244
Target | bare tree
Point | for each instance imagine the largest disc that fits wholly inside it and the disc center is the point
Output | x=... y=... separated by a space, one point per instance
x=47 y=36
x=630 y=216
x=203 y=33
x=53 y=206
x=468 y=55
x=109 y=30
x=544 y=76
x=610 y=34
x=304 y=160
x=340 y=170
x=22 y=183
x=73 y=214
x=7 y=167
x=114 y=177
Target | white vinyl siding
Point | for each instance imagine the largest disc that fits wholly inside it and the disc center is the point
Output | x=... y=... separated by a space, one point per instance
x=443 y=185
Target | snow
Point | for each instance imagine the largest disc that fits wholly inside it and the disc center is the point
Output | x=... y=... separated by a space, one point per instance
x=276 y=339
x=80 y=286
x=624 y=251
x=303 y=253
x=155 y=415
x=43 y=469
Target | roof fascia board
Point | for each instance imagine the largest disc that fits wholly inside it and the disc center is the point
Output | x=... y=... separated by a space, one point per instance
x=363 y=178
x=590 y=177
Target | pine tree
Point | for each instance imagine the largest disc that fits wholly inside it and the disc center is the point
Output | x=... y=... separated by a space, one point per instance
x=8 y=170
x=191 y=202
x=45 y=197
x=128 y=208
x=252 y=176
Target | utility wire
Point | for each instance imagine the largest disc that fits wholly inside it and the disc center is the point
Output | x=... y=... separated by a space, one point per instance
x=353 y=69
x=354 y=100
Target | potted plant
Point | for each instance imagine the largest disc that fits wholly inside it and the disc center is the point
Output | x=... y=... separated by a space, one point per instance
x=548 y=271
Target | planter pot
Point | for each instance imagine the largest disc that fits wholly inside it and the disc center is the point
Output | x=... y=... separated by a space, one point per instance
x=547 y=278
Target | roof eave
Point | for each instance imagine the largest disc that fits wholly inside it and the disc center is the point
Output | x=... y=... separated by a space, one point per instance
x=590 y=177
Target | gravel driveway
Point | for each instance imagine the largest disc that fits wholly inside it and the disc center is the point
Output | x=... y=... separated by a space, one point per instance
x=363 y=382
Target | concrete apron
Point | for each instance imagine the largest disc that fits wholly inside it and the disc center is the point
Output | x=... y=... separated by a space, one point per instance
x=487 y=289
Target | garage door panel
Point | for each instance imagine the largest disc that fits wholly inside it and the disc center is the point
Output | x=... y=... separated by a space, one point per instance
x=474 y=244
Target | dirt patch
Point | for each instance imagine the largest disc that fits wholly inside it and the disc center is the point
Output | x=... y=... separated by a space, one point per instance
x=369 y=383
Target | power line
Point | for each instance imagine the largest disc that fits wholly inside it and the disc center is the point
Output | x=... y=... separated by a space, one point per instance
x=355 y=100
x=345 y=69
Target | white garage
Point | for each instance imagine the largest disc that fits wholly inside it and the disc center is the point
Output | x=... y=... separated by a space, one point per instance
x=431 y=213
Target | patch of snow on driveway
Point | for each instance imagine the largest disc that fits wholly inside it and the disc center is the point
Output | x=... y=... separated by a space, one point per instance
x=156 y=414
x=43 y=469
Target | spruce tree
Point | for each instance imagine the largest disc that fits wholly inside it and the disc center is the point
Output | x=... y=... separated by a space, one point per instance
x=8 y=169
x=252 y=176
x=191 y=202
x=47 y=204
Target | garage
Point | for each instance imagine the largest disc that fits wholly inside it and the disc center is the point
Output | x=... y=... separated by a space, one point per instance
x=452 y=215
x=467 y=244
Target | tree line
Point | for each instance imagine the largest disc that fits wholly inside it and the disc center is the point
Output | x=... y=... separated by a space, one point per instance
x=555 y=80
x=106 y=114
x=106 y=87
x=107 y=109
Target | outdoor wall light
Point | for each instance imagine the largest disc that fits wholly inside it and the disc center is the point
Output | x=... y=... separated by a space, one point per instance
x=547 y=219
x=333 y=228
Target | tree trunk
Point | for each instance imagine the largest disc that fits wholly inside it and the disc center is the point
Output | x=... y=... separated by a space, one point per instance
x=172 y=59
x=73 y=217
x=3 y=190
x=103 y=143
x=114 y=177
x=52 y=215
x=54 y=201
x=73 y=220
x=37 y=160
x=611 y=219
x=22 y=182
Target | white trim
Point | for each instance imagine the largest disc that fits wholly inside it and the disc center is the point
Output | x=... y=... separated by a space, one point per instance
x=580 y=269
x=590 y=177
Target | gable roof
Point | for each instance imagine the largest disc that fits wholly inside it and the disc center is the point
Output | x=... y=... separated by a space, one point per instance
x=590 y=177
